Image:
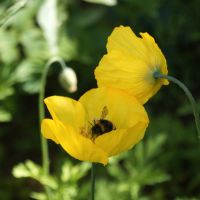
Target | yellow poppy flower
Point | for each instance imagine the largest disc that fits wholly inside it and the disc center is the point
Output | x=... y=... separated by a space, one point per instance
x=130 y=64
x=102 y=123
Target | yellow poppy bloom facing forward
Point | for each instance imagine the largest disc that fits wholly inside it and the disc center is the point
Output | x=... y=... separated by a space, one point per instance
x=130 y=64
x=103 y=123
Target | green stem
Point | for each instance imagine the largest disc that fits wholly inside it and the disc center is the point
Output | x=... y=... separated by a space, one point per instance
x=44 y=144
x=93 y=181
x=188 y=94
x=60 y=61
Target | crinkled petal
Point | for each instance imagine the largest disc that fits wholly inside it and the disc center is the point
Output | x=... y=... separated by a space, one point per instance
x=139 y=56
x=123 y=110
x=49 y=130
x=66 y=110
x=156 y=59
x=119 y=70
x=79 y=146
x=123 y=39
x=121 y=140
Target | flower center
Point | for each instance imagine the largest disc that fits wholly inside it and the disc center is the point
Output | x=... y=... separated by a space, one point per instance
x=101 y=126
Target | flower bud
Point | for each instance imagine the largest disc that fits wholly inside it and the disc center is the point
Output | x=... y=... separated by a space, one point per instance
x=68 y=79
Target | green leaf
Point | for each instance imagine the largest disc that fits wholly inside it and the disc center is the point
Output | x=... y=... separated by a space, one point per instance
x=8 y=46
x=28 y=74
x=152 y=176
x=49 y=181
x=21 y=171
x=32 y=170
x=67 y=47
x=34 y=44
x=38 y=196
x=12 y=11
x=154 y=145
x=32 y=86
x=74 y=173
x=5 y=91
x=5 y=116
x=26 y=70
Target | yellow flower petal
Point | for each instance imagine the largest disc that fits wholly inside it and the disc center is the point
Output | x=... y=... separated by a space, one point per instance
x=126 y=115
x=49 y=130
x=130 y=64
x=123 y=110
x=79 y=146
x=66 y=110
x=132 y=75
x=155 y=56
x=121 y=140
x=124 y=40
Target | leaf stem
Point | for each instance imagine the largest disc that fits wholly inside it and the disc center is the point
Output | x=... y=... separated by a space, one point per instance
x=187 y=93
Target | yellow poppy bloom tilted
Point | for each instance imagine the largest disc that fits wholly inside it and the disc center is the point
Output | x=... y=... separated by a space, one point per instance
x=102 y=123
x=130 y=64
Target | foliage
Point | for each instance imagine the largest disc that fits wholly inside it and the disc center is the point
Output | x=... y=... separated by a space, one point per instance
x=63 y=187
x=164 y=166
x=134 y=171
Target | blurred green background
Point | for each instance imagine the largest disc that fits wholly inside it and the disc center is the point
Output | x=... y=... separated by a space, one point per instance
x=165 y=165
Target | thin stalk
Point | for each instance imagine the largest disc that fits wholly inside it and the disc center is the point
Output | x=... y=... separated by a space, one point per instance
x=187 y=93
x=44 y=144
x=93 y=181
